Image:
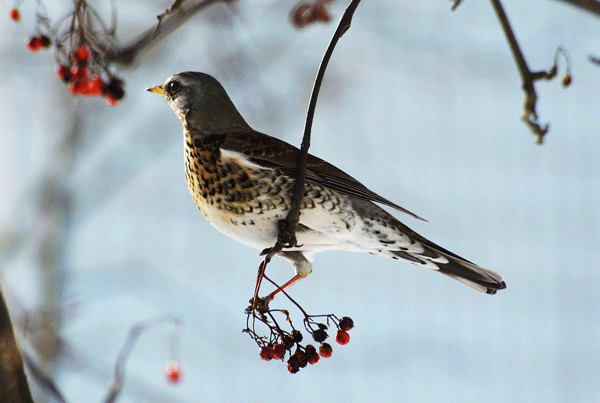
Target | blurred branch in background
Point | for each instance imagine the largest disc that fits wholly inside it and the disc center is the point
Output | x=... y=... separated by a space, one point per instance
x=13 y=385
x=85 y=54
x=528 y=77
x=46 y=240
x=174 y=17
x=586 y=5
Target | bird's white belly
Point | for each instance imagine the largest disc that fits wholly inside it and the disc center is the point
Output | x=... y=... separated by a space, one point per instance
x=322 y=227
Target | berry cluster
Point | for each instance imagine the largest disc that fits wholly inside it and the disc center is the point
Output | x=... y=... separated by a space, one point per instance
x=80 y=49
x=307 y=13
x=82 y=82
x=281 y=342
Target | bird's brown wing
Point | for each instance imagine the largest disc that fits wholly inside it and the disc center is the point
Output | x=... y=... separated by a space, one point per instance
x=270 y=152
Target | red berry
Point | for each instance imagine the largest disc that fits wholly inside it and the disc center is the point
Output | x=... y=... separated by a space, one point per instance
x=311 y=353
x=293 y=368
x=325 y=350
x=310 y=349
x=80 y=73
x=320 y=335
x=173 y=371
x=34 y=43
x=76 y=86
x=112 y=101
x=346 y=323
x=302 y=358
x=45 y=42
x=95 y=87
x=342 y=337
x=63 y=72
x=14 y=14
x=287 y=341
x=296 y=336
x=278 y=351
x=321 y=14
x=266 y=353
x=114 y=88
x=81 y=54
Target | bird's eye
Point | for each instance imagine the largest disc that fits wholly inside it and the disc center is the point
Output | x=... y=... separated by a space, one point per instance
x=173 y=87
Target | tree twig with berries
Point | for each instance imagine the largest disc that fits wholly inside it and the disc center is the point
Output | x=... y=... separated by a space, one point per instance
x=287 y=228
x=173 y=371
x=279 y=340
x=528 y=77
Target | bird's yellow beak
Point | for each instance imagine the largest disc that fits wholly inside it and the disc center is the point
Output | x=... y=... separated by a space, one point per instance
x=157 y=89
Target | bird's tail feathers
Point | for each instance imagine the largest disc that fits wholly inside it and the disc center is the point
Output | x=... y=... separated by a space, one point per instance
x=455 y=267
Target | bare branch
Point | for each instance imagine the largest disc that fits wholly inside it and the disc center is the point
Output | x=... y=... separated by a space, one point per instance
x=14 y=386
x=587 y=5
x=528 y=77
x=134 y=333
x=456 y=4
x=288 y=227
x=127 y=54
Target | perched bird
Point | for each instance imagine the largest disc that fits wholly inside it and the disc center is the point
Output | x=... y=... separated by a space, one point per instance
x=242 y=182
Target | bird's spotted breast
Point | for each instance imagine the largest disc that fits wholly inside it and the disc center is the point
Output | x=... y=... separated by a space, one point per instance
x=246 y=201
x=227 y=187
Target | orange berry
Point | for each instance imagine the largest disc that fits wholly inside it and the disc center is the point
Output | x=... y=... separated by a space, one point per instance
x=77 y=87
x=114 y=88
x=342 y=337
x=14 y=14
x=80 y=73
x=278 y=351
x=321 y=14
x=293 y=368
x=296 y=336
x=301 y=15
x=111 y=100
x=95 y=87
x=311 y=353
x=81 y=54
x=266 y=353
x=45 y=42
x=346 y=323
x=566 y=80
x=34 y=43
x=173 y=371
x=320 y=335
x=325 y=350
x=63 y=72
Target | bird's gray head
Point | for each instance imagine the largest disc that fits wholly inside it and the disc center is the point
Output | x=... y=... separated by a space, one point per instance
x=201 y=104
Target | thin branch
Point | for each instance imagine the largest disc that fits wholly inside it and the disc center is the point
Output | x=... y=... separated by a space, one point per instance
x=13 y=384
x=591 y=6
x=286 y=236
x=288 y=227
x=127 y=54
x=45 y=382
x=134 y=333
x=529 y=114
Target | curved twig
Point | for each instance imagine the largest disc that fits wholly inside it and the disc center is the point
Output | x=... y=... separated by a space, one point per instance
x=288 y=227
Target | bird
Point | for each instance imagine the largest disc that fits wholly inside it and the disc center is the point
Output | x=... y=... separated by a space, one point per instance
x=242 y=182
